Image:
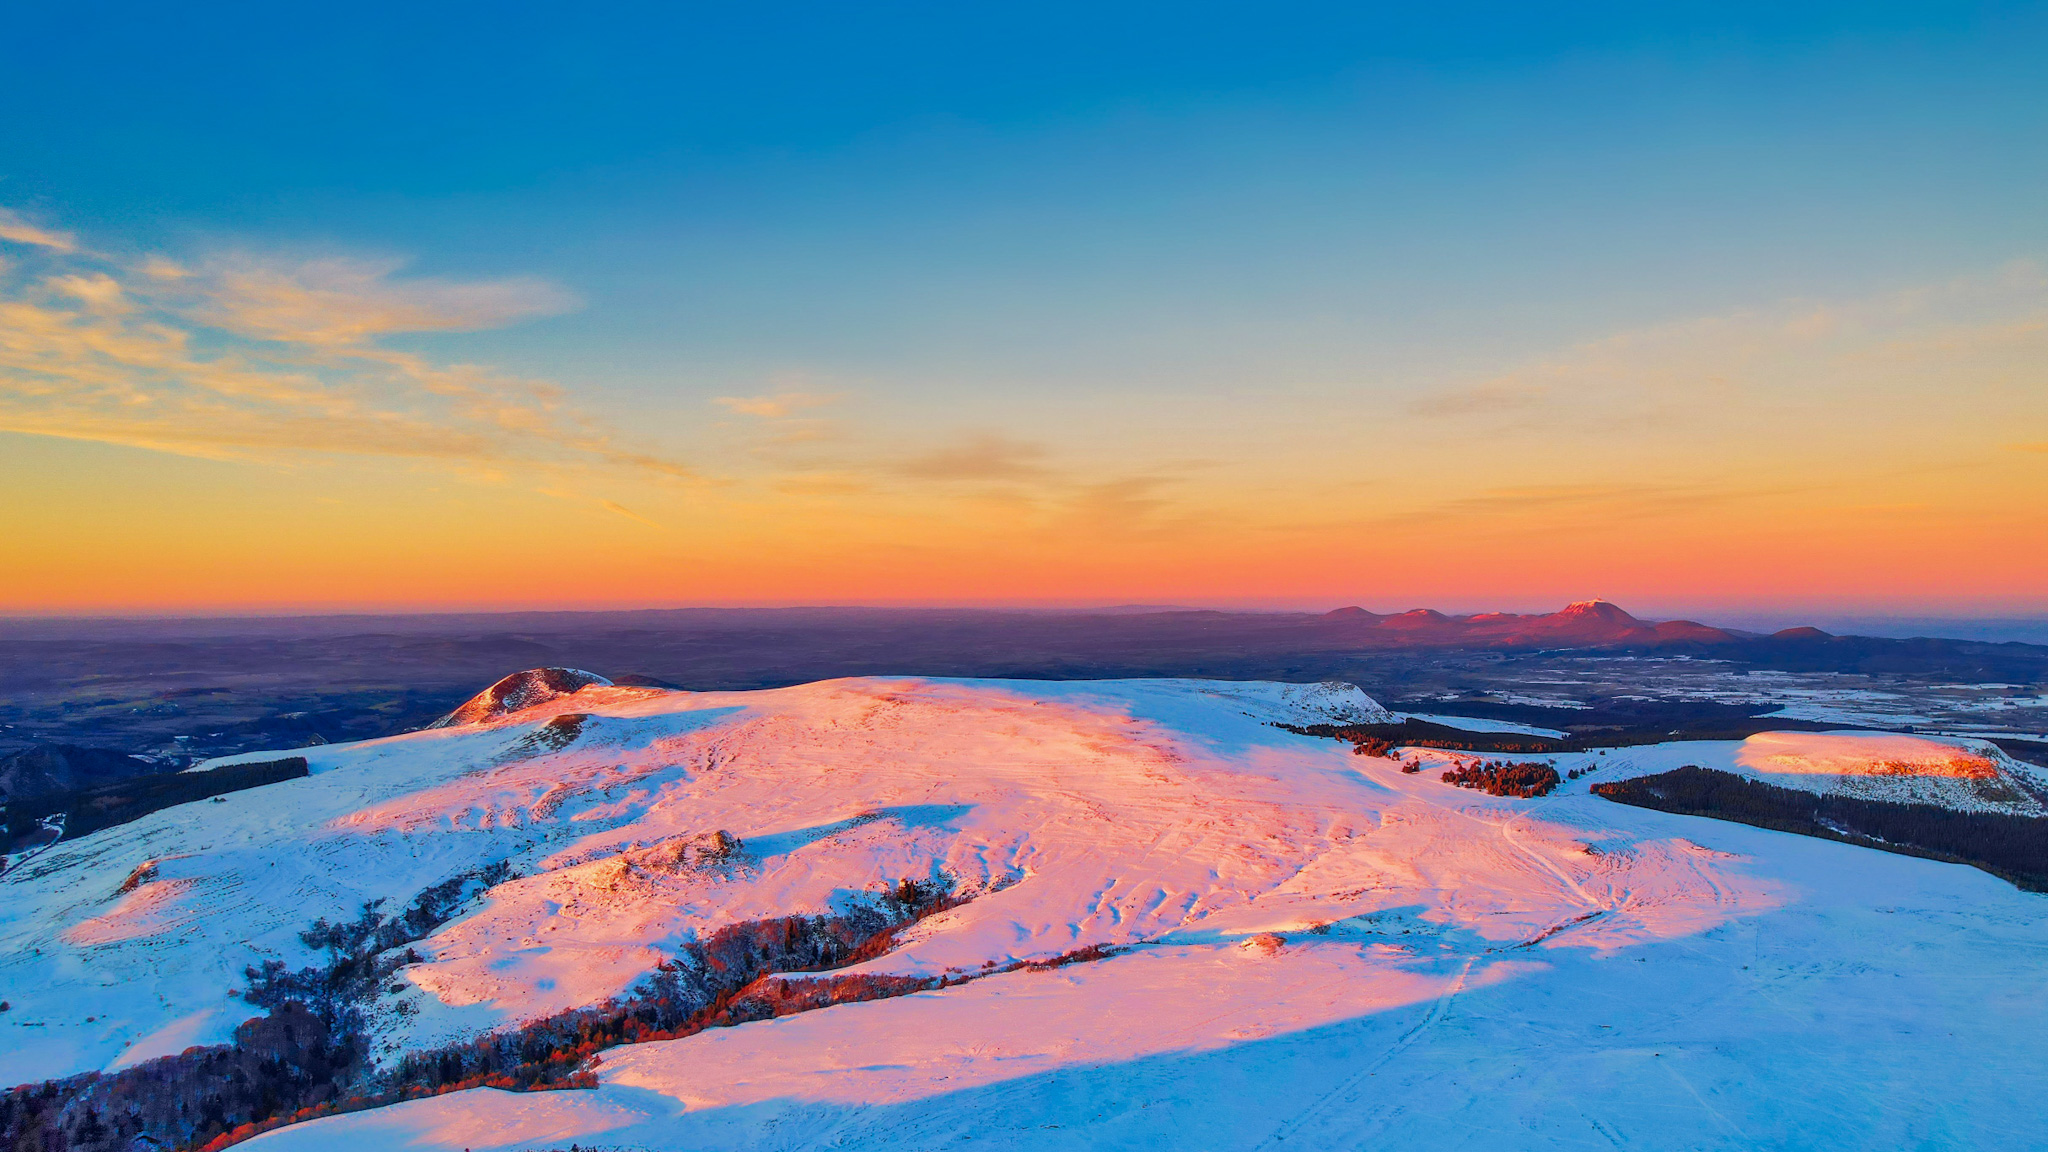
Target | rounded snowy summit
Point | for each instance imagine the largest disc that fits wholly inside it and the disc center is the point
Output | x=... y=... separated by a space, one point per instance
x=520 y=691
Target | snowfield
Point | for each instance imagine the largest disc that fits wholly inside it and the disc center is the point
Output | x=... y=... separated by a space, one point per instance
x=1304 y=947
x=1951 y=772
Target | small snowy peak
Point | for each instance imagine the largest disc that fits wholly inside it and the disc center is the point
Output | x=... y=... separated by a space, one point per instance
x=520 y=691
x=1605 y=611
x=1330 y=702
x=1588 y=622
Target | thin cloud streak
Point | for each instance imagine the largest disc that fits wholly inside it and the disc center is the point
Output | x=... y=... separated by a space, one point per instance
x=779 y=406
x=242 y=356
x=18 y=230
x=1828 y=365
x=986 y=457
x=341 y=301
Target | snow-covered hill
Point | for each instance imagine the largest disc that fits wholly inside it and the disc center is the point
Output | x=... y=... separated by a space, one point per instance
x=1962 y=774
x=1279 y=942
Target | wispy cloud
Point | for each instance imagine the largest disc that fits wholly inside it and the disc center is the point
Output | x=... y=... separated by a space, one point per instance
x=1493 y=398
x=984 y=457
x=780 y=406
x=336 y=302
x=1127 y=504
x=240 y=356
x=616 y=507
x=1553 y=505
x=1971 y=342
x=20 y=231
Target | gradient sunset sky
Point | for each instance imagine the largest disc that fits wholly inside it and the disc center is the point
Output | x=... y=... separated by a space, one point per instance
x=1700 y=308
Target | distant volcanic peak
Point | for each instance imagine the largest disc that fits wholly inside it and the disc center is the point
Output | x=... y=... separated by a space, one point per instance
x=1805 y=633
x=1416 y=618
x=520 y=691
x=1354 y=612
x=1603 y=610
x=1587 y=622
x=1691 y=630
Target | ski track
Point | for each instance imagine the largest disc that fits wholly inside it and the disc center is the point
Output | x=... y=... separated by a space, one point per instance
x=1350 y=1090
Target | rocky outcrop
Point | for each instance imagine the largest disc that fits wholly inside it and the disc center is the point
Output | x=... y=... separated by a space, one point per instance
x=520 y=691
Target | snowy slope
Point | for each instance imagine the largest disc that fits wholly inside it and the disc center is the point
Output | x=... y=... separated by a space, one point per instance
x=1312 y=947
x=1952 y=772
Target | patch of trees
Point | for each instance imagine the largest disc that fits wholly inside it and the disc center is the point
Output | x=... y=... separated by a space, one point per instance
x=91 y=809
x=310 y=1056
x=286 y=1061
x=2032 y=751
x=1425 y=734
x=1502 y=778
x=1601 y=714
x=362 y=954
x=2014 y=848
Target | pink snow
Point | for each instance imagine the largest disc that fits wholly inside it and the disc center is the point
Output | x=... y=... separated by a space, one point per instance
x=1860 y=754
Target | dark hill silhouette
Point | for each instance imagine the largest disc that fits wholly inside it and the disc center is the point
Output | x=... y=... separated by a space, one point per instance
x=1586 y=624
x=54 y=768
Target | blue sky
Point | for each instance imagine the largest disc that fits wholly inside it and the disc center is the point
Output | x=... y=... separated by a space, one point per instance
x=1049 y=224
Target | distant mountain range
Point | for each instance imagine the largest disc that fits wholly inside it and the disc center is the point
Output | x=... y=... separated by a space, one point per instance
x=183 y=689
x=1586 y=624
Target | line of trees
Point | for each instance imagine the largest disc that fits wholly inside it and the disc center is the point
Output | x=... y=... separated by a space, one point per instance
x=2014 y=848
x=309 y=1057
x=91 y=809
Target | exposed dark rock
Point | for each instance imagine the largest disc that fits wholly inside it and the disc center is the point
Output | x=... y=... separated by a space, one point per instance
x=520 y=691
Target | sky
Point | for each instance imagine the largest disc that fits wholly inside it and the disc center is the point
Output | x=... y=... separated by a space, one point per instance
x=1704 y=309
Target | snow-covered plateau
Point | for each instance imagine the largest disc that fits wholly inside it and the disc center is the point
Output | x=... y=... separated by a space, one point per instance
x=1169 y=924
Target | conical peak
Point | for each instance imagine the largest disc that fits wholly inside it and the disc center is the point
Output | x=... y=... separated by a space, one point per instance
x=520 y=691
x=1597 y=610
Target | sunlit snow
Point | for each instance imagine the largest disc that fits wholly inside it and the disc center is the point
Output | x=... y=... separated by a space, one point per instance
x=1308 y=947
